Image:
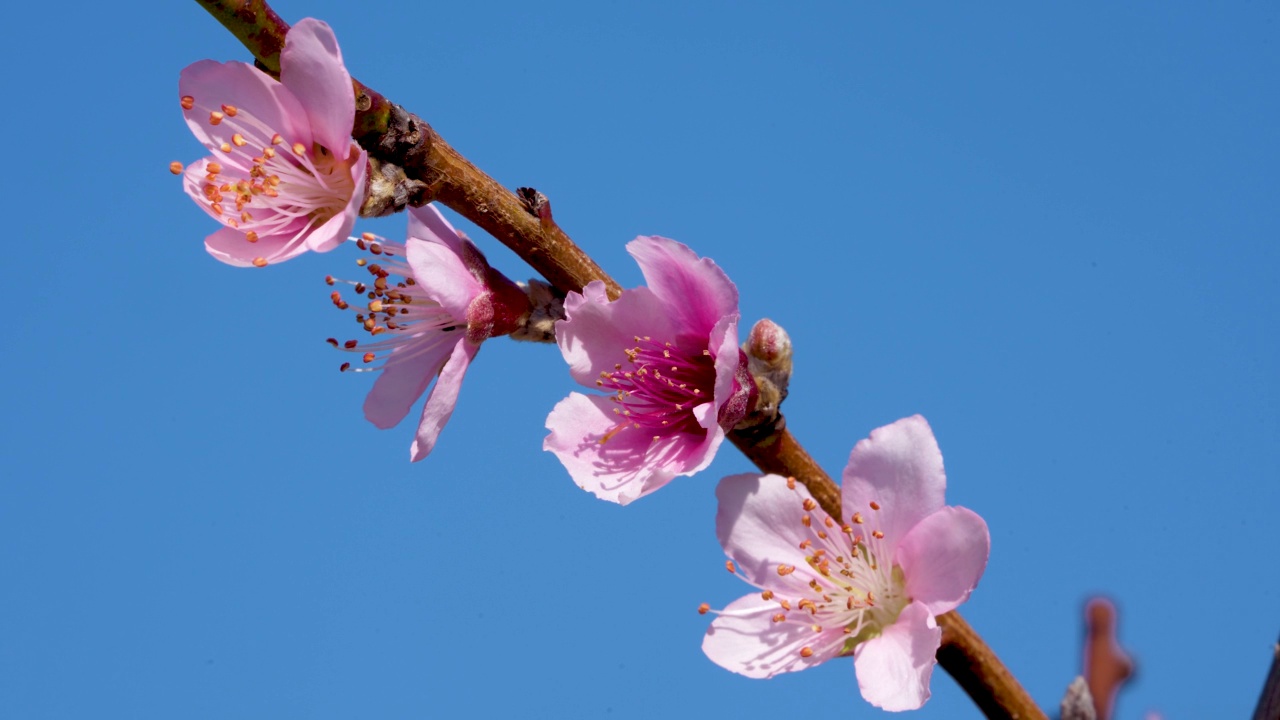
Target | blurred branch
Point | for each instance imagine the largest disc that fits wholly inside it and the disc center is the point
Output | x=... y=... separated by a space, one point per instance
x=1269 y=703
x=1077 y=704
x=1106 y=665
x=393 y=135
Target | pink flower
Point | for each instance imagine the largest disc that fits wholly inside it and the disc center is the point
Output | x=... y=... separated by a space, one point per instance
x=285 y=176
x=430 y=312
x=669 y=354
x=870 y=587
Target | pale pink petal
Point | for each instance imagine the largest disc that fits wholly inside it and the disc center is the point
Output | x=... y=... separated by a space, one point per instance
x=759 y=525
x=231 y=247
x=597 y=333
x=696 y=291
x=900 y=468
x=405 y=376
x=438 y=269
x=336 y=229
x=311 y=68
x=629 y=464
x=214 y=84
x=429 y=224
x=745 y=640
x=894 y=669
x=943 y=558
x=442 y=399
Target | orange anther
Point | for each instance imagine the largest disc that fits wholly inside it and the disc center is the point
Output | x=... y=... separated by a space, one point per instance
x=766 y=595
x=875 y=505
x=368 y=357
x=806 y=521
x=238 y=140
x=276 y=139
x=857 y=518
x=344 y=367
x=175 y=167
x=809 y=504
x=349 y=344
x=259 y=262
x=225 y=147
x=877 y=535
x=299 y=149
x=332 y=341
x=806 y=651
x=786 y=569
x=188 y=102
x=230 y=110
x=791 y=483
x=779 y=617
x=215 y=118
x=368 y=237
x=251 y=236
x=703 y=608
x=728 y=565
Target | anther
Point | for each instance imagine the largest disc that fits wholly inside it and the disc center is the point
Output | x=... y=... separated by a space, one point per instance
x=806 y=521
x=857 y=518
x=175 y=167
x=188 y=102
x=225 y=147
x=252 y=236
x=259 y=262
x=786 y=569
x=238 y=140
x=332 y=341
x=875 y=505
x=766 y=595
x=299 y=149
x=368 y=357
x=806 y=651
x=728 y=565
x=368 y=236
x=806 y=544
x=877 y=534
x=809 y=504
x=703 y=608
x=215 y=118
x=276 y=139
x=344 y=367
x=791 y=483
x=230 y=110
x=349 y=344
x=779 y=617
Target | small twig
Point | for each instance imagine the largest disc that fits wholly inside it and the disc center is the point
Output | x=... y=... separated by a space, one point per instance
x=1269 y=702
x=968 y=658
x=1106 y=665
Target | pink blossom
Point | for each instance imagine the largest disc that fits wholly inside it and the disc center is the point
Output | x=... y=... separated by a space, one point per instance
x=430 y=303
x=669 y=354
x=870 y=587
x=285 y=176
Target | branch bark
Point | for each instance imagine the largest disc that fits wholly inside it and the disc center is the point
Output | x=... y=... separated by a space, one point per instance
x=392 y=134
x=1269 y=703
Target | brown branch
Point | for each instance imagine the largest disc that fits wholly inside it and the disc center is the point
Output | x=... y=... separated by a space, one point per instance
x=1269 y=702
x=392 y=134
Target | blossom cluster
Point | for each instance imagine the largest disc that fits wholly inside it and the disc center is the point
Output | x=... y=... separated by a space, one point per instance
x=670 y=382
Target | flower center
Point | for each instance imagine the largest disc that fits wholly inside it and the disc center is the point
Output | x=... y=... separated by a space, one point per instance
x=658 y=386
x=266 y=183
x=396 y=310
x=851 y=585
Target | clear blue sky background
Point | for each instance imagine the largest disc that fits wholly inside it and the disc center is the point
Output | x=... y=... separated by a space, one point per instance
x=1051 y=230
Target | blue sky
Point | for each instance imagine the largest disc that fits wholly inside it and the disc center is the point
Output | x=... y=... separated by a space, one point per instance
x=1050 y=230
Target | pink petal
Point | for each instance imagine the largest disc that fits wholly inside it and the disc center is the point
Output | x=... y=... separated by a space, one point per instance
x=745 y=640
x=311 y=68
x=695 y=290
x=759 y=526
x=439 y=271
x=724 y=345
x=598 y=332
x=231 y=247
x=334 y=231
x=405 y=376
x=443 y=398
x=900 y=468
x=214 y=84
x=943 y=558
x=894 y=669
x=629 y=464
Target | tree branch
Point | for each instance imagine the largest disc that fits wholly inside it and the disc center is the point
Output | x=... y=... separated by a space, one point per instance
x=1269 y=702
x=392 y=134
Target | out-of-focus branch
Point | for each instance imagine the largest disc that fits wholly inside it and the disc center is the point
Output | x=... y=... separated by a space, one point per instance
x=393 y=135
x=1269 y=703
x=1106 y=665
